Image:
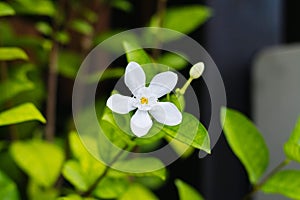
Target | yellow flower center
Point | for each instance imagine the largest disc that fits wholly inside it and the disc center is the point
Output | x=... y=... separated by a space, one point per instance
x=144 y=100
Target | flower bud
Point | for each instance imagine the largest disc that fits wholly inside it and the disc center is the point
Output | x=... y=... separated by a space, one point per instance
x=197 y=70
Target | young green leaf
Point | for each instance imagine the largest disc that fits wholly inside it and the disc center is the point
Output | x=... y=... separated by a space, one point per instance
x=8 y=189
x=137 y=191
x=176 y=18
x=6 y=10
x=68 y=63
x=111 y=188
x=83 y=171
x=123 y=5
x=12 y=53
x=17 y=83
x=186 y=192
x=286 y=182
x=41 y=160
x=142 y=166
x=34 y=7
x=246 y=142
x=139 y=55
x=82 y=27
x=36 y=192
x=21 y=113
x=173 y=60
x=44 y=28
x=190 y=132
x=292 y=146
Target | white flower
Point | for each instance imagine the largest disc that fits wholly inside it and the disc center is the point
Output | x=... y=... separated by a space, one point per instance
x=145 y=99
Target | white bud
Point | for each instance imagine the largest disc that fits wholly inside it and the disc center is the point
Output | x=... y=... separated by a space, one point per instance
x=197 y=70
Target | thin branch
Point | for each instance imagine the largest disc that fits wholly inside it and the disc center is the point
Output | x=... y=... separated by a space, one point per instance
x=52 y=92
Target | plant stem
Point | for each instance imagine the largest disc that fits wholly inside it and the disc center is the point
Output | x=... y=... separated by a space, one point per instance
x=94 y=185
x=52 y=89
x=257 y=187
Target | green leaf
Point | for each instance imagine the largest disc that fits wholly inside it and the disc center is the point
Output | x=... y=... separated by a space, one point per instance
x=62 y=37
x=112 y=73
x=68 y=63
x=139 y=55
x=292 y=146
x=8 y=189
x=173 y=60
x=36 y=192
x=143 y=167
x=17 y=83
x=6 y=10
x=176 y=18
x=111 y=188
x=137 y=191
x=123 y=5
x=34 y=7
x=286 y=182
x=82 y=27
x=44 y=28
x=83 y=171
x=41 y=160
x=183 y=133
x=246 y=142
x=180 y=148
x=12 y=53
x=186 y=192
x=21 y=113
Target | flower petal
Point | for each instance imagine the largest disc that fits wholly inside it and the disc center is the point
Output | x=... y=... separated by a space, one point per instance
x=163 y=83
x=135 y=77
x=120 y=104
x=140 y=123
x=166 y=113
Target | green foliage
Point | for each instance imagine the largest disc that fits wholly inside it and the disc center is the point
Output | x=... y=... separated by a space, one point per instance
x=285 y=182
x=6 y=10
x=44 y=28
x=124 y=5
x=37 y=192
x=41 y=160
x=176 y=18
x=292 y=146
x=246 y=142
x=111 y=188
x=175 y=61
x=138 y=191
x=182 y=132
x=21 y=113
x=83 y=169
x=81 y=26
x=8 y=189
x=16 y=83
x=186 y=192
x=68 y=63
x=12 y=53
x=143 y=167
x=34 y=7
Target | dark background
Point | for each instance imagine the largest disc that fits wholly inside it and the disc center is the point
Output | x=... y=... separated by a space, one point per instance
x=238 y=30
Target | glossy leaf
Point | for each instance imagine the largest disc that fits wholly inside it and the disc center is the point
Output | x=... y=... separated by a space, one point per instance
x=182 y=132
x=111 y=188
x=12 y=53
x=8 y=189
x=137 y=191
x=286 y=182
x=6 y=9
x=186 y=192
x=21 y=113
x=180 y=148
x=41 y=160
x=143 y=167
x=246 y=142
x=292 y=146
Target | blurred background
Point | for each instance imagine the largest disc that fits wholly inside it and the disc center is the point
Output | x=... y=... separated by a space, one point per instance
x=247 y=39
